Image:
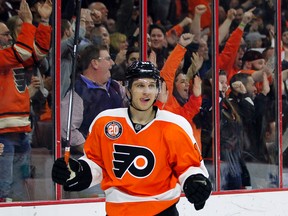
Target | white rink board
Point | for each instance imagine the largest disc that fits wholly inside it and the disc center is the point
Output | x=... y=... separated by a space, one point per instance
x=249 y=204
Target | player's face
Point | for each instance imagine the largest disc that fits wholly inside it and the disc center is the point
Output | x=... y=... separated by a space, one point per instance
x=143 y=93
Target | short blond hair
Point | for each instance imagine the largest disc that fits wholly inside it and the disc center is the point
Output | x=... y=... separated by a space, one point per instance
x=116 y=38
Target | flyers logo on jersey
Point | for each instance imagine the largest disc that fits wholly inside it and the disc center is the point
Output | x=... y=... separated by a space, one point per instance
x=113 y=130
x=138 y=161
x=19 y=79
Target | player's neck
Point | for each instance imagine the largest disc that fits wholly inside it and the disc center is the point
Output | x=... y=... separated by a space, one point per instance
x=142 y=117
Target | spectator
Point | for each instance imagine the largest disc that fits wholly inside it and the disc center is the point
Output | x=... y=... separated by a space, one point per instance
x=179 y=100
x=284 y=54
x=34 y=4
x=118 y=47
x=285 y=38
x=125 y=131
x=14 y=24
x=94 y=92
x=234 y=172
x=204 y=119
x=252 y=108
x=66 y=29
x=14 y=161
x=36 y=77
x=238 y=18
x=230 y=58
x=175 y=32
x=158 y=44
x=89 y=25
x=206 y=20
x=67 y=43
x=99 y=6
x=254 y=40
x=100 y=36
x=118 y=71
x=254 y=64
x=1 y=148
x=127 y=18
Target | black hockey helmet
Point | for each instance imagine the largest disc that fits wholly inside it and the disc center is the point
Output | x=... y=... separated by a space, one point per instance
x=142 y=69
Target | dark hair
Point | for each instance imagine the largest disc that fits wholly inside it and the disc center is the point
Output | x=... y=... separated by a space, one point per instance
x=156 y=26
x=65 y=24
x=251 y=55
x=222 y=72
x=243 y=77
x=88 y=54
x=130 y=50
x=206 y=84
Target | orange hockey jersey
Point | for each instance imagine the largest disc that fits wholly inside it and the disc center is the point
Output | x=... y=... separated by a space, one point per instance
x=141 y=173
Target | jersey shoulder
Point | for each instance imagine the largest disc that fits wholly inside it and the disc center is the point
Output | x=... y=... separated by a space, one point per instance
x=164 y=115
x=117 y=112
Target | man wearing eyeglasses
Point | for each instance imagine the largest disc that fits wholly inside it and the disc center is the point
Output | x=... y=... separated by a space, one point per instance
x=95 y=91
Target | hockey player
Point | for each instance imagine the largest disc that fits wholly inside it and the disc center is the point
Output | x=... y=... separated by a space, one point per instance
x=144 y=157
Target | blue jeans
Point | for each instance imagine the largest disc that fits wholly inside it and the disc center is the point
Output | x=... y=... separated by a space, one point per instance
x=14 y=166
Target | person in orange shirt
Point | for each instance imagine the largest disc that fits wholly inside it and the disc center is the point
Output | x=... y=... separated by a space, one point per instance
x=255 y=65
x=178 y=84
x=32 y=45
x=143 y=156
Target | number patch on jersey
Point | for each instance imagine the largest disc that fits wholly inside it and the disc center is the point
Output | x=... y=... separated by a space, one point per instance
x=113 y=130
x=138 y=161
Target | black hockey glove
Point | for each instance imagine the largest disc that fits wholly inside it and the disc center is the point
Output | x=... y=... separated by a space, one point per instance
x=76 y=177
x=197 y=189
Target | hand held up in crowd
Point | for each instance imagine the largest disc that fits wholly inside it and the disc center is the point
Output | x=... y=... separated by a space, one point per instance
x=239 y=87
x=186 y=39
x=25 y=12
x=45 y=9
